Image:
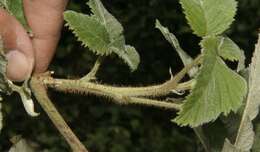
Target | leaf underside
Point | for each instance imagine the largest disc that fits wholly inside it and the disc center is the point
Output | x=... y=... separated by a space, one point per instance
x=218 y=89
x=171 y=38
x=256 y=145
x=228 y=147
x=245 y=135
x=21 y=146
x=209 y=17
x=254 y=84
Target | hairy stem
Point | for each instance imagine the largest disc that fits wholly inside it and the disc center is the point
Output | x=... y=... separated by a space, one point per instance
x=85 y=87
x=40 y=93
x=154 y=103
x=126 y=100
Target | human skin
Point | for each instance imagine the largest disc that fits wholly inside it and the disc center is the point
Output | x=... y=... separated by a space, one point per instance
x=25 y=54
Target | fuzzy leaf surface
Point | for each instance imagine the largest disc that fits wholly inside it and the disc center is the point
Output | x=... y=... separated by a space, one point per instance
x=218 y=89
x=209 y=17
x=89 y=31
x=229 y=50
x=102 y=33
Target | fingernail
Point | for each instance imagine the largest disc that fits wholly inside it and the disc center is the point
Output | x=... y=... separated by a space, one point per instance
x=18 y=66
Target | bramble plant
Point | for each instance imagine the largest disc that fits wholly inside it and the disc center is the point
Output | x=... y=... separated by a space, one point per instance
x=214 y=90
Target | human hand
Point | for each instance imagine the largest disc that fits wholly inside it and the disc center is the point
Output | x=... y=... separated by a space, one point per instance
x=32 y=54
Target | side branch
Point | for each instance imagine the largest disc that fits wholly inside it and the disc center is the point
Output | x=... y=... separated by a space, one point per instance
x=92 y=74
x=40 y=93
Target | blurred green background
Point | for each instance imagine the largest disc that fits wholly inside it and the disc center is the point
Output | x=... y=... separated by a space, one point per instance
x=106 y=127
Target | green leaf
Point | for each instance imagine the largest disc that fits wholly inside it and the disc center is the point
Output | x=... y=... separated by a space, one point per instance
x=15 y=8
x=171 y=38
x=218 y=89
x=209 y=17
x=89 y=31
x=115 y=30
x=229 y=50
x=102 y=33
x=245 y=135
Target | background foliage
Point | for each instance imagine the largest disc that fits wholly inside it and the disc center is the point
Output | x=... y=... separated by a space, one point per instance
x=113 y=128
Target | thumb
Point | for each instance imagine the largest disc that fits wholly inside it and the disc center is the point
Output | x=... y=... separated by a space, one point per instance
x=19 y=48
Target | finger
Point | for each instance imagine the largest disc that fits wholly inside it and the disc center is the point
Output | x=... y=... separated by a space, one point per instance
x=20 y=54
x=45 y=18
